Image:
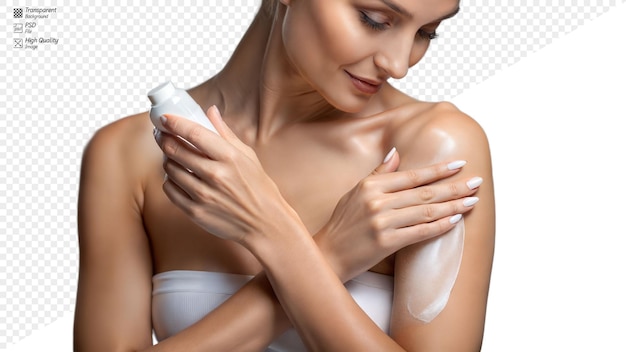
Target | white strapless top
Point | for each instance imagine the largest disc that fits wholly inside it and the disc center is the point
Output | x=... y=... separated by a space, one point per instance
x=181 y=298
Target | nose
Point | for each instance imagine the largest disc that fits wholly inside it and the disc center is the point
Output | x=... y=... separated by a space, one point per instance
x=394 y=56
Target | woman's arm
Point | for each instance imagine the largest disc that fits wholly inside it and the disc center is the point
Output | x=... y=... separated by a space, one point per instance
x=113 y=305
x=459 y=327
x=114 y=284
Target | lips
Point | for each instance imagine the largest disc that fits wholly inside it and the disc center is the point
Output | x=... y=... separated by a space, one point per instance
x=365 y=85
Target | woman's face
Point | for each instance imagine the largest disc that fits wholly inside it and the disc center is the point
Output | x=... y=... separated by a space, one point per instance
x=346 y=49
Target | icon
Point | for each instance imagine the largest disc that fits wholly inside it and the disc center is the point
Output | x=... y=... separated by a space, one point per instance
x=18 y=43
x=18 y=13
x=18 y=27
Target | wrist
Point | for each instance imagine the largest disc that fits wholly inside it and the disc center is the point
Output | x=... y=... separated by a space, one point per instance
x=321 y=239
x=275 y=234
x=288 y=256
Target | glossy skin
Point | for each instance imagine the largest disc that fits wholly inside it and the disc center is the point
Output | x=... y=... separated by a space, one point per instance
x=296 y=118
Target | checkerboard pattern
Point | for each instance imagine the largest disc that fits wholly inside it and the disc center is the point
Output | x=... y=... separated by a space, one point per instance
x=488 y=36
x=54 y=98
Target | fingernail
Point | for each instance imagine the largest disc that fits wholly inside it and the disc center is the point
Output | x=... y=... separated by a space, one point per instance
x=154 y=131
x=456 y=164
x=217 y=111
x=389 y=155
x=165 y=178
x=163 y=119
x=469 y=201
x=474 y=182
x=456 y=218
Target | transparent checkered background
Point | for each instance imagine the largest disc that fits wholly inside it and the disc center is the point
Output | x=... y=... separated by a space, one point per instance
x=54 y=98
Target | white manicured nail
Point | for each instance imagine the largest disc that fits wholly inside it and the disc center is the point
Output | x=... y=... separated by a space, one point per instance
x=389 y=155
x=456 y=218
x=456 y=164
x=474 y=182
x=469 y=201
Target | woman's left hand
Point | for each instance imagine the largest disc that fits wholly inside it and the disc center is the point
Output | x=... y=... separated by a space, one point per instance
x=219 y=181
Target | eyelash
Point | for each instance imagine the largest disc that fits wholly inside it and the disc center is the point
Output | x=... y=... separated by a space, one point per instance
x=377 y=26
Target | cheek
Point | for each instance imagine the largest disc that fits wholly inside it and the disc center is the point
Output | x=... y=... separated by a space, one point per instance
x=344 y=39
x=324 y=35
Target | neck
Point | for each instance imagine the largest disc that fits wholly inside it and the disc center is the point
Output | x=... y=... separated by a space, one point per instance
x=260 y=85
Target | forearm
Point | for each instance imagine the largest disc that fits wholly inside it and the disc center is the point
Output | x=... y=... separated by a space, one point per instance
x=247 y=321
x=315 y=300
x=253 y=317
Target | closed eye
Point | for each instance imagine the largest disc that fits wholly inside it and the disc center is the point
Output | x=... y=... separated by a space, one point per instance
x=427 y=35
x=377 y=26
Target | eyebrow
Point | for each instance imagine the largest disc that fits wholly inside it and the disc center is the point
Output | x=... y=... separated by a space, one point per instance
x=399 y=9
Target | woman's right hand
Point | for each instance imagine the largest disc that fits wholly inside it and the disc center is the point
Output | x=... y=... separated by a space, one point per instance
x=389 y=210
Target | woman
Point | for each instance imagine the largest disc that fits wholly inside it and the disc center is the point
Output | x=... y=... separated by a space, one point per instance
x=304 y=114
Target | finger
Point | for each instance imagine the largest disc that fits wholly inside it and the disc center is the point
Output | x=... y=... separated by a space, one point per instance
x=216 y=118
x=431 y=194
x=188 y=182
x=203 y=139
x=214 y=115
x=390 y=163
x=402 y=180
x=422 y=214
x=413 y=234
x=177 y=195
x=178 y=150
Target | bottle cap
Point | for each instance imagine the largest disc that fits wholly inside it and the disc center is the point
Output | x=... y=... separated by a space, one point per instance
x=161 y=93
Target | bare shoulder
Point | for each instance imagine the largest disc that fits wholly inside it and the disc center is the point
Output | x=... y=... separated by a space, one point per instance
x=125 y=143
x=446 y=117
x=426 y=133
x=119 y=158
x=121 y=134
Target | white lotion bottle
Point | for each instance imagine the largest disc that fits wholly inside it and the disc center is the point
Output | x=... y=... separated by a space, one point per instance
x=167 y=99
